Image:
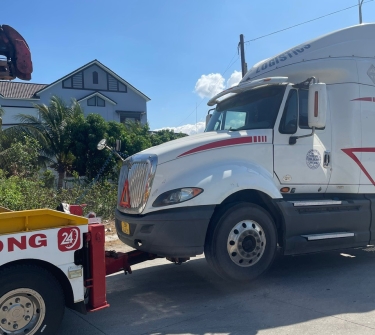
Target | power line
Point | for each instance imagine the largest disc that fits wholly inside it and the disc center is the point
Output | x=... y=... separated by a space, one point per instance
x=299 y=24
x=196 y=106
x=233 y=60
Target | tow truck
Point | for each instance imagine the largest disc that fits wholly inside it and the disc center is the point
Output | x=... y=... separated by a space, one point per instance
x=50 y=259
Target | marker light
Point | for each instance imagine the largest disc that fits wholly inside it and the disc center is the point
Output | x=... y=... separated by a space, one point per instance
x=176 y=196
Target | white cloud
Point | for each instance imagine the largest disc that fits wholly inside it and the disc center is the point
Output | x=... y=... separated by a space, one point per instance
x=234 y=79
x=209 y=85
x=189 y=129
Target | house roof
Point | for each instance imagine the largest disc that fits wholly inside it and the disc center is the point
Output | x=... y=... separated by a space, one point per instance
x=16 y=90
x=96 y=62
x=100 y=95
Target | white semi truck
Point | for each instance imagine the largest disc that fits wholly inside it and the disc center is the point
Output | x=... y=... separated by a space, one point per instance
x=287 y=160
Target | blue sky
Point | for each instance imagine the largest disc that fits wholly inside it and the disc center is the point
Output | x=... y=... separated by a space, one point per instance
x=164 y=47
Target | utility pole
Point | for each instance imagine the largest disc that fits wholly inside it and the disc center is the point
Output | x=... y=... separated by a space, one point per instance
x=243 y=62
x=360 y=10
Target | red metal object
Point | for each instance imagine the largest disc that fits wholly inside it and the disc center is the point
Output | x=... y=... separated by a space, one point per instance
x=97 y=284
x=100 y=263
x=119 y=261
x=125 y=196
x=76 y=209
x=14 y=47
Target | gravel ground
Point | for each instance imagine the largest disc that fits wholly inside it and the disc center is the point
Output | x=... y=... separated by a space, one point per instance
x=111 y=240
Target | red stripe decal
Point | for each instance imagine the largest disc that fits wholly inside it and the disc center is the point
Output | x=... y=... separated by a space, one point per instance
x=219 y=144
x=371 y=99
x=350 y=153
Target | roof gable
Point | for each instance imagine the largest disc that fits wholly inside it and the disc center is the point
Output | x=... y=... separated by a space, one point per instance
x=103 y=67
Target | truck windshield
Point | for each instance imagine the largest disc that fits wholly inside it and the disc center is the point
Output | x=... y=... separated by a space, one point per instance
x=253 y=109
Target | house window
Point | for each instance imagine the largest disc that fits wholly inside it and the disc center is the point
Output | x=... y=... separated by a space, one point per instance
x=114 y=85
x=129 y=117
x=77 y=80
x=100 y=102
x=91 y=101
x=67 y=83
x=95 y=79
x=96 y=101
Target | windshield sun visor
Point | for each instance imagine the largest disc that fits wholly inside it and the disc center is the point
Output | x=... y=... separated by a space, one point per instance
x=244 y=86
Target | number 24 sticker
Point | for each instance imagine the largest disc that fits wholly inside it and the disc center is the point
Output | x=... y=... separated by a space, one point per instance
x=69 y=238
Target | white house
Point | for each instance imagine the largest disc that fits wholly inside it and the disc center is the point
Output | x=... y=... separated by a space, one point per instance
x=97 y=88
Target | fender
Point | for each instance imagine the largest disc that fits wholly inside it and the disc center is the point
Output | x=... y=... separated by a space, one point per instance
x=218 y=181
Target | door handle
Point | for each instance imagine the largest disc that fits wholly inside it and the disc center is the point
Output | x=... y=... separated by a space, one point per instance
x=327 y=158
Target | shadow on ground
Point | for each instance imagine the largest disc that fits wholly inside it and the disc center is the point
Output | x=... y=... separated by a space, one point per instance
x=327 y=293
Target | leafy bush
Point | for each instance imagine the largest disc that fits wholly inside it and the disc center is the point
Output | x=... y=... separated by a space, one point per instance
x=20 y=156
x=20 y=194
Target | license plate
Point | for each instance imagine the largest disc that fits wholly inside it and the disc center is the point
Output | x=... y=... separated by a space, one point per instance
x=125 y=227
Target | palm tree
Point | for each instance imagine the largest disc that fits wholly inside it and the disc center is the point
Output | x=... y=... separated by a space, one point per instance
x=49 y=128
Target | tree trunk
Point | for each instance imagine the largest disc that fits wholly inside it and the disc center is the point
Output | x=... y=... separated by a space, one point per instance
x=61 y=179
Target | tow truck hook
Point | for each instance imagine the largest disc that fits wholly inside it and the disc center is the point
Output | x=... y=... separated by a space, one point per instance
x=178 y=260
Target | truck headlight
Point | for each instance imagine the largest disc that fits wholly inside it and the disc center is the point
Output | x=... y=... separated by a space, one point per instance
x=176 y=196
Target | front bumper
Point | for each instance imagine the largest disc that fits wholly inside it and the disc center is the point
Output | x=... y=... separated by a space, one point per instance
x=178 y=232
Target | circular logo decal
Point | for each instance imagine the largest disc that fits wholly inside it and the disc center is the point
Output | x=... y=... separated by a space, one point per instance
x=69 y=238
x=313 y=159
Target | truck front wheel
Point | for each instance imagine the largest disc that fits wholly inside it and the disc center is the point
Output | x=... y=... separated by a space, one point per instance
x=31 y=301
x=241 y=242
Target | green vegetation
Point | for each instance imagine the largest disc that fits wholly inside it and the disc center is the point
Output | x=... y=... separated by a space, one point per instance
x=63 y=139
x=19 y=193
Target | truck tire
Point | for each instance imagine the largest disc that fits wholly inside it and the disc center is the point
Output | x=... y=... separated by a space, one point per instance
x=241 y=242
x=31 y=301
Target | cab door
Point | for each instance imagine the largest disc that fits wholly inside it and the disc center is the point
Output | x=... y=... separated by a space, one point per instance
x=304 y=165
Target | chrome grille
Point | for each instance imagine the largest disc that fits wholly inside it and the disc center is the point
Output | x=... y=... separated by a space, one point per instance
x=139 y=171
x=137 y=179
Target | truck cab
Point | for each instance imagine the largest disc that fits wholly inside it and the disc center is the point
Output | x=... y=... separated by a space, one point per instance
x=287 y=161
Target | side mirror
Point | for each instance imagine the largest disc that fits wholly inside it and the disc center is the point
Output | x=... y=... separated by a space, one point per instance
x=317 y=105
x=101 y=145
x=118 y=145
x=208 y=118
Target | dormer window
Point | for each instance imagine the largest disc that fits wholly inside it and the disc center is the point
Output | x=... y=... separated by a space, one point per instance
x=96 y=101
x=100 y=102
x=95 y=79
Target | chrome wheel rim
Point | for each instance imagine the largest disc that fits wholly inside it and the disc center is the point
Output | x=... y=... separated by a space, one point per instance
x=22 y=311
x=246 y=243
